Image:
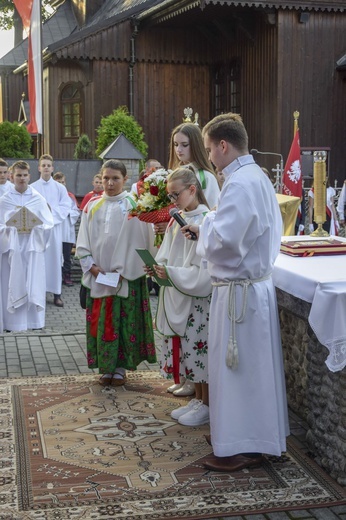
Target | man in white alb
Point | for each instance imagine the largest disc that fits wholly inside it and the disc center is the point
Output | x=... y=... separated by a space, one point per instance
x=25 y=227
x=59 y=203
x=240 y=242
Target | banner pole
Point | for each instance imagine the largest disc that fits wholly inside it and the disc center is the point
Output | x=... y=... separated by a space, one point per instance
x=295 y=123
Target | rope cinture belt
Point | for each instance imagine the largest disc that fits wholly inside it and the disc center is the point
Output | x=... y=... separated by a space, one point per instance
x=232 y=358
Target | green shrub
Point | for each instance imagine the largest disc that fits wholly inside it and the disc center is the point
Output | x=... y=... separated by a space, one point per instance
x=83 y=148
x=120 y=121
x=15 y=141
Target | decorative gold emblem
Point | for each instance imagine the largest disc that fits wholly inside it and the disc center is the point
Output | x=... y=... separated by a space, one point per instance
x=24 y=220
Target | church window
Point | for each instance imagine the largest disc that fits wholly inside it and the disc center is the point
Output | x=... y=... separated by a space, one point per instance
x=71 y=111
x=227 y=87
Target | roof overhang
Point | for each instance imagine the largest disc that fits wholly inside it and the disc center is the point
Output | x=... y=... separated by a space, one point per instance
x=170 y=8
x=310 y=5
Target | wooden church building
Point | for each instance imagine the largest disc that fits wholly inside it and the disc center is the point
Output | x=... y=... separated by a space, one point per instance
x=262 y=59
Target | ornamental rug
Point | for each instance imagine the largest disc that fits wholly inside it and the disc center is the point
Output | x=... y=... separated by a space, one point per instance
x=71 y=449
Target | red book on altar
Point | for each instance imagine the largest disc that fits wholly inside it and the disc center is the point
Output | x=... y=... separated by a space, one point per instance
x=327 y=246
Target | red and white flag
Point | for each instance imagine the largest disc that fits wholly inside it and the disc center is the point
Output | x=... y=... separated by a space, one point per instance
x=292 y=177
x=30 y=13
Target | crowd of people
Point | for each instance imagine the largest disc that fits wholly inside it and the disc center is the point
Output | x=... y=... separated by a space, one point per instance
x=217 y=315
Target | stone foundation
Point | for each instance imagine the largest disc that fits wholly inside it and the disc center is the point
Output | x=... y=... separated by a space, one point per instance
x=314 y=393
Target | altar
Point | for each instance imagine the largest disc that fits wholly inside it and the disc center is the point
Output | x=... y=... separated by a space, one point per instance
x=311 y=293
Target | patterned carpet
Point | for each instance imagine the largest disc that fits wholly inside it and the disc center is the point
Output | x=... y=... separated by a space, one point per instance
x=71 y=449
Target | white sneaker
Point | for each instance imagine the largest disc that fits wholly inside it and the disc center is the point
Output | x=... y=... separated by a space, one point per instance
x=197 y=415
x=188 y=388
x=174 y=387
x=178 y=412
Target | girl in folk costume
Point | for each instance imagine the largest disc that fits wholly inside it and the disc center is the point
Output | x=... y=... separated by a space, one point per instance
x=119 y=322
x=187 y=149
x=183 y=309
x=331 y=225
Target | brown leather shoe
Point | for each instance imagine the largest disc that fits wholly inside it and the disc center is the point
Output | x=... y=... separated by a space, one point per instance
x=105 y=380
x=58 y=301
x=233 y=463
x=208 y=439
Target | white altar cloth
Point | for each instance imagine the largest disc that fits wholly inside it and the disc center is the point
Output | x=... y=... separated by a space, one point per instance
x=320 y=280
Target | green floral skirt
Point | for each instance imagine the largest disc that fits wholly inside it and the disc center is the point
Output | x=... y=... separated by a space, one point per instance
x=119 y=330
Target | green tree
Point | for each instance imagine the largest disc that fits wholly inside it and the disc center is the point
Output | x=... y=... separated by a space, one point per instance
x=15 y=141
x=7 y=12
x=83 y=148
x=120 y=121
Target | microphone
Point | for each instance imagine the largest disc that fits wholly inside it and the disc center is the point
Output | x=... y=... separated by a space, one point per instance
x=254 y=151
x=178 y=218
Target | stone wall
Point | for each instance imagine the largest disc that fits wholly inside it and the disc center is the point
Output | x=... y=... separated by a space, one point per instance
x=314 y=393
x=80 y=173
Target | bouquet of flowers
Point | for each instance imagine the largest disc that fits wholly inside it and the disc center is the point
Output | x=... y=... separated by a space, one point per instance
x=153 y=204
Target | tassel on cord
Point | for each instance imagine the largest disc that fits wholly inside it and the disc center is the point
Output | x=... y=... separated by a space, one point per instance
x=232 y=355
x=232 y=358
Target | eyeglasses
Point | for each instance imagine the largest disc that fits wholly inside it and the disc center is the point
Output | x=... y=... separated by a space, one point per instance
x=175 y=196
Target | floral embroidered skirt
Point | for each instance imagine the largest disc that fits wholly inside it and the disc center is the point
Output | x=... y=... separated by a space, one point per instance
x=119 y=330
x=193 y=353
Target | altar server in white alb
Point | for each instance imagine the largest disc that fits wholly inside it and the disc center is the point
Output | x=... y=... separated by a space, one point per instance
x=240 y=241
x=59 y=202
x=25 y=226
x=5 y=184
x=342 y=205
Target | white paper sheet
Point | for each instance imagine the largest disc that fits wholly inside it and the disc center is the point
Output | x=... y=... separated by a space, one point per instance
x=110 y=279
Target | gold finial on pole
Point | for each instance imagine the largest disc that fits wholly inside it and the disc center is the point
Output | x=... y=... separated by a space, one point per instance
x=295 y=124
x=320 y=181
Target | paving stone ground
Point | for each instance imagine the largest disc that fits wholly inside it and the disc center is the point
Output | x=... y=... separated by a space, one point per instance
x=60 y=348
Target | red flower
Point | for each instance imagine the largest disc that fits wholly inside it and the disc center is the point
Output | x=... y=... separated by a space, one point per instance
x=132 y=338
x=154 y=190
x=168 y=369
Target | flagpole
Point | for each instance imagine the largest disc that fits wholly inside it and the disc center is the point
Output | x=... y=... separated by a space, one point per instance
x=295 y=124
x=40 y=148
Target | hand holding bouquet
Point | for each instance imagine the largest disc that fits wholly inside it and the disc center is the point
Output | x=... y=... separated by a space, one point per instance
x=153 y=204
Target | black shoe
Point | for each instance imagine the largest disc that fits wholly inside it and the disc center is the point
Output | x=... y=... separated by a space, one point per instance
x=67 y=280
x=58 y=301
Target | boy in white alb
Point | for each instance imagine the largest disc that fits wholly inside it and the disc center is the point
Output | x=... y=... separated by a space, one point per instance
x=342 y=205
x=68 y=232
x=25 y=226
x=59 y=203
x=5 y=184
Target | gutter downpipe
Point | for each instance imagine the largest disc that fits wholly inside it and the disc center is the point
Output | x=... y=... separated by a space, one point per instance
x=131 y=66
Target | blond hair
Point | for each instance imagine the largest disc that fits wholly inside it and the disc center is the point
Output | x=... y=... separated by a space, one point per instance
x=188 y=178
x=20 y=165
x=45 y=157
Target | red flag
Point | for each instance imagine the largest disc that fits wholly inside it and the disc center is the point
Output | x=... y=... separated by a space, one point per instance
x=292 y=176
x=30 y=13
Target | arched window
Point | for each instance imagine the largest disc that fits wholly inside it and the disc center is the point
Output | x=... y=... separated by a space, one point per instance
x=71 y=104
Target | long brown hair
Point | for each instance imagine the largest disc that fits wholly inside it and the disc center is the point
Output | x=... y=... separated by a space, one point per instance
x=199 y=155
x=188 y=177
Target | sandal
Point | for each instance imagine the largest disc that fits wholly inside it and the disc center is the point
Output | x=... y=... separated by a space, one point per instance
x=105 y=380
x=118 y=381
